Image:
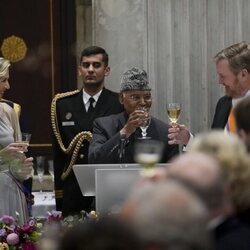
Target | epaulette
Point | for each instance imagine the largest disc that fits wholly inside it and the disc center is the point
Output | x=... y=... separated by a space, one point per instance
x=76 y=142
x=65 y=94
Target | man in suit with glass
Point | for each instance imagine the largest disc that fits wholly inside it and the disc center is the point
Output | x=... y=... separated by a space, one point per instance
x=233 y=69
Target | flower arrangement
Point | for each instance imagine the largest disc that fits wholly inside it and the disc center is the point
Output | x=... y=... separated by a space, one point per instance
x=29 y=236
x=14 y=237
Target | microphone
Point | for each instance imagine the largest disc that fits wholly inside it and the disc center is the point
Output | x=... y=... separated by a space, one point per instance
x=122 y=147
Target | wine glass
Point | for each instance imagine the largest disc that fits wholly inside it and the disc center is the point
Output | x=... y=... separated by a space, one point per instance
x=173 y=111
x=40 y=161
x=145 y=122
x=25 y=140
x=148 y=153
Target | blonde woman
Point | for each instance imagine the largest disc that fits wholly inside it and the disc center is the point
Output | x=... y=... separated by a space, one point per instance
x=15 y=166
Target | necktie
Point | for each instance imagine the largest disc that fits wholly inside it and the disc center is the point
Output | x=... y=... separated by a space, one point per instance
x=91 y=107
x=230 y=126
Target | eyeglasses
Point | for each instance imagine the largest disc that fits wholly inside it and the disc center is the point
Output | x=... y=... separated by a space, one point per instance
x=137 y=97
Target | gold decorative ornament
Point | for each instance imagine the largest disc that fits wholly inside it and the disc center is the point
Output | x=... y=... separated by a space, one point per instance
x=14 y=48
x=76 y=143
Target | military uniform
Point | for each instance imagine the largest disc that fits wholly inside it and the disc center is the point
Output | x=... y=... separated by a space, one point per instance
x=71 y=126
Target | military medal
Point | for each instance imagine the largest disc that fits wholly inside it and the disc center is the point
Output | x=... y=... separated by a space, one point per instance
x=68 y=116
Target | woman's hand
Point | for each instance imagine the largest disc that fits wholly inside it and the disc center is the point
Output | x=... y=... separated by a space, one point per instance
x=15 y=148
x=22 y=169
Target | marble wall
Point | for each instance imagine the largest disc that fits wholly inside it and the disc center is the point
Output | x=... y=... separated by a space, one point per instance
x=173 y=40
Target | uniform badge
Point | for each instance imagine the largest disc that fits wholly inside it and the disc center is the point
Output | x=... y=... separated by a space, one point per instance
x=68 y=116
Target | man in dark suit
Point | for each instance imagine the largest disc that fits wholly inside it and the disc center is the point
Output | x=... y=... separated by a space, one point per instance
x=233 y=69
x=72 y=116
x=114 y=136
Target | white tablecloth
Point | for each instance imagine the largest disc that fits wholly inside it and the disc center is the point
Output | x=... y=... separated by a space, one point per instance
x=44 y=202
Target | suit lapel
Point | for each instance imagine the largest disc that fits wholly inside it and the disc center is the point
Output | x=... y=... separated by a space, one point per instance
x=222 y=112
x=82 y=120
x=102 y=104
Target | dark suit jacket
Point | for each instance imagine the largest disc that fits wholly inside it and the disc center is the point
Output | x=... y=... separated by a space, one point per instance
x=105 y=145
x=232 y=234
x=73 y=119
x=222 y=111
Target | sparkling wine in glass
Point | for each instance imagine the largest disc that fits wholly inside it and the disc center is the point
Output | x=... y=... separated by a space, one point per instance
x=146 y=121
x=148 y=153
x=173 y=111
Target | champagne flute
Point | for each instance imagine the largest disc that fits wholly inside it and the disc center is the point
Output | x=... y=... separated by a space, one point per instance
x=145 y=124
x=174 y=111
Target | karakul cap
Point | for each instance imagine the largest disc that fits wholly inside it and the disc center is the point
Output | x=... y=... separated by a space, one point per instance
x=134 y=79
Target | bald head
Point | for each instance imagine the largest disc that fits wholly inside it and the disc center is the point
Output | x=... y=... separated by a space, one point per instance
x=202 y=173
x=162 y=212
x=198 y=168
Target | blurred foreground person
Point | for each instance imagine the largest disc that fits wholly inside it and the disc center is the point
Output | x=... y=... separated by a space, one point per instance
x=242 y=119
x=231 y=225
x=104 y=234
x=167 y=216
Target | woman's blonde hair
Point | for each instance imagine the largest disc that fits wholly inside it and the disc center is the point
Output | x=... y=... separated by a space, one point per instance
x=4 y=67
x=232 y=156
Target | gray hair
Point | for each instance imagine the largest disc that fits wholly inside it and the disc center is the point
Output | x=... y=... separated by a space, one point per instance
x=169 y=215
x=202 y=173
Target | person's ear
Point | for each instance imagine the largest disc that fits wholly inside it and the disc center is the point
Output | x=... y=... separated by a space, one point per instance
x=79 y=71
x=107 y=71
x=121 y=98
x=242 y=134
x=244 y=74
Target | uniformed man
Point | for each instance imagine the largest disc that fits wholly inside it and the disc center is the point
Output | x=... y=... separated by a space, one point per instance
x=72 y=116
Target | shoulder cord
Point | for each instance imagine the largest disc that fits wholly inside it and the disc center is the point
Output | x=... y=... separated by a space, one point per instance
x=76 y=142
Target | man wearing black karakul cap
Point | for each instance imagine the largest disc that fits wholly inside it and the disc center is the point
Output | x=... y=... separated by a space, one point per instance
x=118 y=133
